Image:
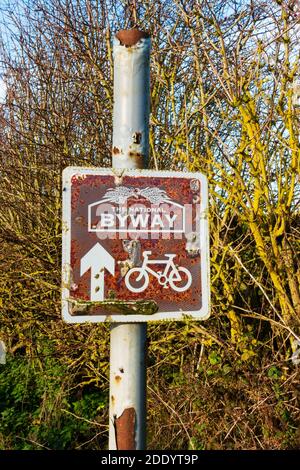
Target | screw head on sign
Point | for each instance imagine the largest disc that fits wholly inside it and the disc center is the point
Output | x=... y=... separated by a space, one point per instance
x=195 y=185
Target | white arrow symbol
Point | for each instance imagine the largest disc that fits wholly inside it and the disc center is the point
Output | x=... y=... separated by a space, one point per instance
x=97 y=259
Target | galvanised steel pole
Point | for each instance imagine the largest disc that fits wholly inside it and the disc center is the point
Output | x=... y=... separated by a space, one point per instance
x=127 y=406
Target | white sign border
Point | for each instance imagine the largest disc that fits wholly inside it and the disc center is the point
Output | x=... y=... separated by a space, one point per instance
x=178 y=315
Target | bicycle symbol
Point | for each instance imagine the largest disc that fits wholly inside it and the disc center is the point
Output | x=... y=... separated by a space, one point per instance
x=178 y=278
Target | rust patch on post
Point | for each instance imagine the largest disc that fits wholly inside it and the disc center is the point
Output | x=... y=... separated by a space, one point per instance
x=137 y=138
x=129 y=37
x=125 y=430
x=135 y=154
x=116 y=151
x=118 y=378
x=136 y=158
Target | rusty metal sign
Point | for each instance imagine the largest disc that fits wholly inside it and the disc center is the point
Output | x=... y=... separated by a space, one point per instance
x=135 y=245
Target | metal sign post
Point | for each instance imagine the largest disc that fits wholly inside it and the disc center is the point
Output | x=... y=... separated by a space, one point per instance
x=127 y=396
x=135 y=244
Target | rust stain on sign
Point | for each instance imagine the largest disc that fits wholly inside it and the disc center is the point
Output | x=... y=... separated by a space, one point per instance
x=86 y=191
x=125 y=430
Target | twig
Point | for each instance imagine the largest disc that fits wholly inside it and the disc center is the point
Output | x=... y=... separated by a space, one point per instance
x=84 y=419
x=33 y=442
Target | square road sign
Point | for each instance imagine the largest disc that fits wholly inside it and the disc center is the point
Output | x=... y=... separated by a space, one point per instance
x=135 y=245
